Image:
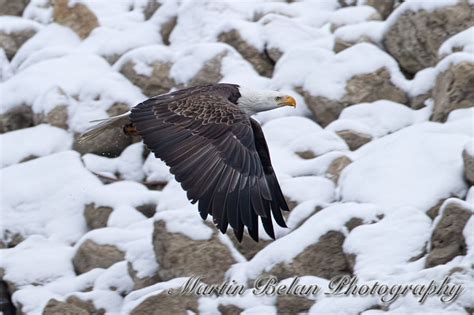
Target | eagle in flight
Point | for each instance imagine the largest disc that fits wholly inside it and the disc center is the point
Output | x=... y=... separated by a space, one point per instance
x=206 y=135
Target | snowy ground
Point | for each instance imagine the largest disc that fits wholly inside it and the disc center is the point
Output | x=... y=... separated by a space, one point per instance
x=410 y=164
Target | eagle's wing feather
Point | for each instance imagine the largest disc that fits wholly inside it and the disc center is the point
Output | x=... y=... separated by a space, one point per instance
x=217 y=153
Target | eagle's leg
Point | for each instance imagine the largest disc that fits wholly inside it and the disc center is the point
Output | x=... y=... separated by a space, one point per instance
x=130 y=130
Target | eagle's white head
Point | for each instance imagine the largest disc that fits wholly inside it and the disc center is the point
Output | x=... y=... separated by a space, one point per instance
x=254 y=101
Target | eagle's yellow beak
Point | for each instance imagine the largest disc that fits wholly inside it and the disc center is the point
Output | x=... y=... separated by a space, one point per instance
x=287 y=101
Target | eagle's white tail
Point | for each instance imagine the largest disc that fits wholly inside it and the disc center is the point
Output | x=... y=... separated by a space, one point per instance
x=104 y=124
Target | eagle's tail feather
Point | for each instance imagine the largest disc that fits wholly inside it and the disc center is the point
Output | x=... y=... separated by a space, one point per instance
x=104 y=124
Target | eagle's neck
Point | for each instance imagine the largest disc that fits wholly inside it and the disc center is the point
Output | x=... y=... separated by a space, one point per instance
x=255 y=101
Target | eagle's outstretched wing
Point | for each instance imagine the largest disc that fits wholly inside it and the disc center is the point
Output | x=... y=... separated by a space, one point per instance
x=217 y=153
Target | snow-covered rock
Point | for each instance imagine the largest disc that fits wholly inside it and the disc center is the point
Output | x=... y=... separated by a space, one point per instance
x=453 y=90
x=447 y=239
x=14 y=32
x=194 y=253
x=436 y=20
x=76 y=16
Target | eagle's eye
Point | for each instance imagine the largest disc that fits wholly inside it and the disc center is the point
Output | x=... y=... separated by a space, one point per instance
x=278 y=98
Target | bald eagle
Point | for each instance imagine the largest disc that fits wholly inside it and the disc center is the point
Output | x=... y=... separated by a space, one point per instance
x=214 y=149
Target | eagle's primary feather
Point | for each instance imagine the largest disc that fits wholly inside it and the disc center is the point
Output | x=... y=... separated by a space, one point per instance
x=217 y=152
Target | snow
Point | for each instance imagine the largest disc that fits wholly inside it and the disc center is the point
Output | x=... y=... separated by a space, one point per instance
x=378 y=118
x=353 y=32
x=54 y=39
x=52 y=206
x=39 y=10
x=385 y=245
x=353 y=15
x=42 y=140
x=108 y=42
x=128 y=165
x=401 y=173
x=144 y=57
x=463 y=40
x=326 y=74
x=179 y=221
x=331 y=218
x=13 y=24
x=52 y=261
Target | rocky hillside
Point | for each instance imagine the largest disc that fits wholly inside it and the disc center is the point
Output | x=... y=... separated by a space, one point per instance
x=376 y=161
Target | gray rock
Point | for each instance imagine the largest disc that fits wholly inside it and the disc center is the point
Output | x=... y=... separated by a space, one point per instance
x=180 y=256
x=418 y=101
x=11 y=42
x=158 y=83
x=340 y=44
x=16 y=118
x=55 y=307
x=148 y=209
x=85 y=305
x=363 y=88
x=384 y=7
x=354 y=139
x=96 y=217
x=324 y=259
x=166 y=29
x=79 y=17
x=454 y=89
x=447 y=240
x=91 y=255
x=260 y=61
x=210 y=72
x=150 y=8
x=274 y=54
x=336 y=167
x=110 y=143
x=248 y=247
x=13 y=7
x=57 y=117
x=139 y=283
x=293 y=305
x=468 y=166
x=414 y=39
x=163 y=303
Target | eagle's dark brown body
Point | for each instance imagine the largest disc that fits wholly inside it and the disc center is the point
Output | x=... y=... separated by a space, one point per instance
x=216 y=151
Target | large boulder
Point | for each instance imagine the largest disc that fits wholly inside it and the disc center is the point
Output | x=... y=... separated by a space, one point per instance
x=259 y=59
x=210 y=72
x=77 y=17
x=354 y=139
x=141 y=282
x=12 y=39
x=155 y=83
x=86 y=305
x=163 y=303
x=454 y=89
x=447 y=239
x=293 y=304
x=180 y=256
x=324 y=259
x=415 y=36
x=166 y=28
x=96 y=217
x=55 y=307
x=16 y=7
x=16 y=118
x=384 y=7
x=336 y=167
x=91 y=255
x=362 y=88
